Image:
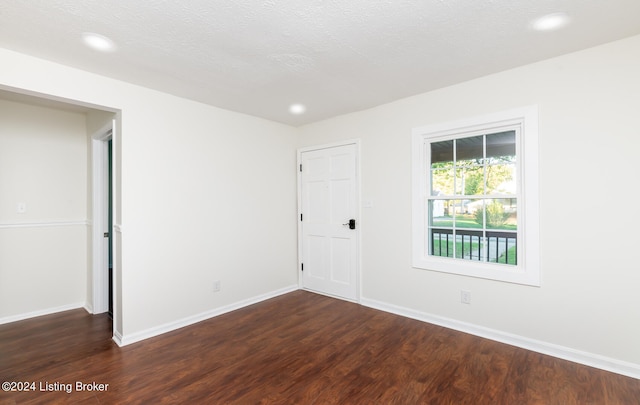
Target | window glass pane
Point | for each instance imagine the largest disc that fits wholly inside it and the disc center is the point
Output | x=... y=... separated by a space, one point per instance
x=473 y=217
x=469 y=150
x=501 y=147
x=501 y=178
x=470 y=245
x=479 y=229
x=453 y=208
x=502 y=248
x=470 y=180
x=438 y=214
x=459 y=181
x=441 y=152
x=442 y=181
x=441 y=242
x=502 y=214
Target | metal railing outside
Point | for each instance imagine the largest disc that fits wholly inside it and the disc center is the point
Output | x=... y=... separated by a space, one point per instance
x=487 y=245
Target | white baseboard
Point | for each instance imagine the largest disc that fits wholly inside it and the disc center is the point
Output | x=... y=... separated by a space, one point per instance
x=117 y=337
x=41 y=312
x=123 y=340
x=562 y=352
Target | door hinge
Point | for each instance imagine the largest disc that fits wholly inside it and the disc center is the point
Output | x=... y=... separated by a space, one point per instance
x=300 y=217
x=301 y=266
x=300 y=166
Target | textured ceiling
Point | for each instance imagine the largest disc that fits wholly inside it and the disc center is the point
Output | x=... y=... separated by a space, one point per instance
x=260 y=56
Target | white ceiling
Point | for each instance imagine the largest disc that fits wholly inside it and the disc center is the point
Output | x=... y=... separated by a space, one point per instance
x=334 y=56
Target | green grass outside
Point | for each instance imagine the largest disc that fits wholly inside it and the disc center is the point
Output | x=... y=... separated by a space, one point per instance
x=467 y=221
x=474 y=248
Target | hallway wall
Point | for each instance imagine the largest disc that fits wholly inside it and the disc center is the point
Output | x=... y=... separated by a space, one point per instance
x=43 y=164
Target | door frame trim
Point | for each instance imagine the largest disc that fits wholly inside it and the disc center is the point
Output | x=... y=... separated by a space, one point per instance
x=300 y=151
x=100 y=273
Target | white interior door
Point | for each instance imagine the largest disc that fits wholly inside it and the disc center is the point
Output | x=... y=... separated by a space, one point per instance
x=328 y=202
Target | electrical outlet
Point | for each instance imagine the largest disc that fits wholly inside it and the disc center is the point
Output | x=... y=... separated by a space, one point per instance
x=465 y=297
x=216 y=286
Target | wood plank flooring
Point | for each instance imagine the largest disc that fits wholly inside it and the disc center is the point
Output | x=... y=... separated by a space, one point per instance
x=300 y=348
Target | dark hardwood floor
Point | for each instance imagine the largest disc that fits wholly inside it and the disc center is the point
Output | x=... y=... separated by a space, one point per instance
x=300 y=348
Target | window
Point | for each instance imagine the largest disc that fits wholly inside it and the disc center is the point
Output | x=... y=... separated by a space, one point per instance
x=475 y=197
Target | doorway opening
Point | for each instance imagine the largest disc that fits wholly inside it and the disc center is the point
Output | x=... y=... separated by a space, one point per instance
x=109 y=231
x=103 y=237
x=102 y=222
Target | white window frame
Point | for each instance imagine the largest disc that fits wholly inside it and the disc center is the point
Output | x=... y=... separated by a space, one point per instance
x=527 y=270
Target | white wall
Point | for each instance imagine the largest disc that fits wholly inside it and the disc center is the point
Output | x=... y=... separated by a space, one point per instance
x=43 y=158
x=589 y=137
x=205 y=194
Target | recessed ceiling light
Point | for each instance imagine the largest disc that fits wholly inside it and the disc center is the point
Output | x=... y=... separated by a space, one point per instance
x=98 y=42
x=550 y=22
x=297 y=109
